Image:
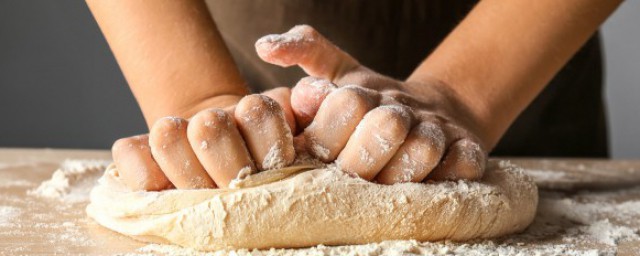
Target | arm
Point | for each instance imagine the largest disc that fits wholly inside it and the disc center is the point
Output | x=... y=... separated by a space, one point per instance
x=171 y=54
x=463 y=96
x=505 y=52
x=177 y=65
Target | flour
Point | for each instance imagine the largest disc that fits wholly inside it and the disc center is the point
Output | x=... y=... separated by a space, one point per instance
x=607 y=233
x=601 y=221
x=545 y=174
x=385 y=145
x=274 y=157
x=403 y=247
x=242 y=174
x=72 y=181
x=606 y=218
x=8 y=214
x=16 y=183
x=319 y=150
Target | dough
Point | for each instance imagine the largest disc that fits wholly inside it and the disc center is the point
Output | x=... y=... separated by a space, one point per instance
x=321 y=206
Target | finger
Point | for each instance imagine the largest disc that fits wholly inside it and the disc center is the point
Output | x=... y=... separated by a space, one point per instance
x=306 y=98
x=416 y=158
x=218 y=145
x=264 y=128
x=464 y=159
x=375 y=141
x=337 y=118
x=304 y=46
x=282 y=95
x=136 y=165
x=172 y=151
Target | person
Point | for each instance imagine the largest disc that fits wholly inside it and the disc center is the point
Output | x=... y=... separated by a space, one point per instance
x=423 y=90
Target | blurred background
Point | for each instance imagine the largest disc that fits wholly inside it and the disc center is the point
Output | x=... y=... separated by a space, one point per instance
x=61 y=87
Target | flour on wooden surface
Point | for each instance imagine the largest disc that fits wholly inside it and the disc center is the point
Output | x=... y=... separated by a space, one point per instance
x=402 y=247
x=49 y=216
x=72 y=181
x=8 y=214
x=580 y=220
x=583 y=223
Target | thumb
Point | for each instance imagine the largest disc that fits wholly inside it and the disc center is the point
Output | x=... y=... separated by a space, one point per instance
x=305 y=47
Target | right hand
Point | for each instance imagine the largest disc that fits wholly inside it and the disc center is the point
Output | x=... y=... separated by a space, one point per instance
x=374 y=126
x=211 y=148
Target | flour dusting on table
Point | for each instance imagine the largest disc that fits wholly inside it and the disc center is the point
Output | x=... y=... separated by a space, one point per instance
x=72 y=181
x=8 y=214
x=574 y=223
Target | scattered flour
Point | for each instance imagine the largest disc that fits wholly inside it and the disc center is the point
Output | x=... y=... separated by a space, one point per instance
x=274 y=157
x=8 y=214
x=402 y=247
x=605 y=232
x=385 y=145
x=16 y=183
x=566 y=223
x=545 y=174
x=72 y=181
x=365 y=157
x=242 y=174
x=319 y=150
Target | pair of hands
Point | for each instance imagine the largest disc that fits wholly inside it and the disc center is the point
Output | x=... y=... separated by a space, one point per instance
x=378 y=128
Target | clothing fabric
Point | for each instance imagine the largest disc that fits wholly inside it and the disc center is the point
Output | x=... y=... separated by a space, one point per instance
x=392 y=37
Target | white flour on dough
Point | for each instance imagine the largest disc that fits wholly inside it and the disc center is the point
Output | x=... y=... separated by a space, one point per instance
x=582 y=223
x=318 y=207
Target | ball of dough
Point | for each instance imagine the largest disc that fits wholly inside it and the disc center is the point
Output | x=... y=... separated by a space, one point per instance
x=321 y=206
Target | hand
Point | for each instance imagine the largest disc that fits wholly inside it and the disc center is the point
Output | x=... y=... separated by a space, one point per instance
x=211 y=148
x=374 y=126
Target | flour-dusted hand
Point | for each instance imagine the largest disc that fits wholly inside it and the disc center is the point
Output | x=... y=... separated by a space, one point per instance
x=454 y=107
x=374 y=126
x=213 y=147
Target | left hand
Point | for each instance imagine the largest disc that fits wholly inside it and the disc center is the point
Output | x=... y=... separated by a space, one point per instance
x=372 y=125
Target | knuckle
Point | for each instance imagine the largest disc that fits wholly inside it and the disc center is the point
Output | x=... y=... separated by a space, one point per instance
x=474 y=158
x=253 y=100
x=135 y=146
x=432 y=134
x=397 y=96
x=166 y=129
x=395 y=118
x=210 y=118
x=123 y=144
x=169 y=124
x=314 y=83
x=353 y=94
x=398 y=112
x=473 y=149
x=206 y=123
x=255 y=106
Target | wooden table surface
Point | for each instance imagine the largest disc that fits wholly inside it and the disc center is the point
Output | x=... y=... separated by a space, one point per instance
x=31 y=225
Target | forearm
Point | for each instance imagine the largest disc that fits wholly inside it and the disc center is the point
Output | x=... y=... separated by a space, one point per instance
x=171 y=54
x=504 y=53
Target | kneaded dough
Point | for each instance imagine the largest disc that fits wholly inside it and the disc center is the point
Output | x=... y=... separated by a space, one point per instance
x=321 y=206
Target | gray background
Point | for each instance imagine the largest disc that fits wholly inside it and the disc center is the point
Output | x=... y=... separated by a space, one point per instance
x=621 y=35
x=61 y=87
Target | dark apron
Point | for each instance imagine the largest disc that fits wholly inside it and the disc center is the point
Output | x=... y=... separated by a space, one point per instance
x=392 y=37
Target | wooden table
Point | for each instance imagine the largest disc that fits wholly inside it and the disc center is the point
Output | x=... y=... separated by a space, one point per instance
x=32 y=225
